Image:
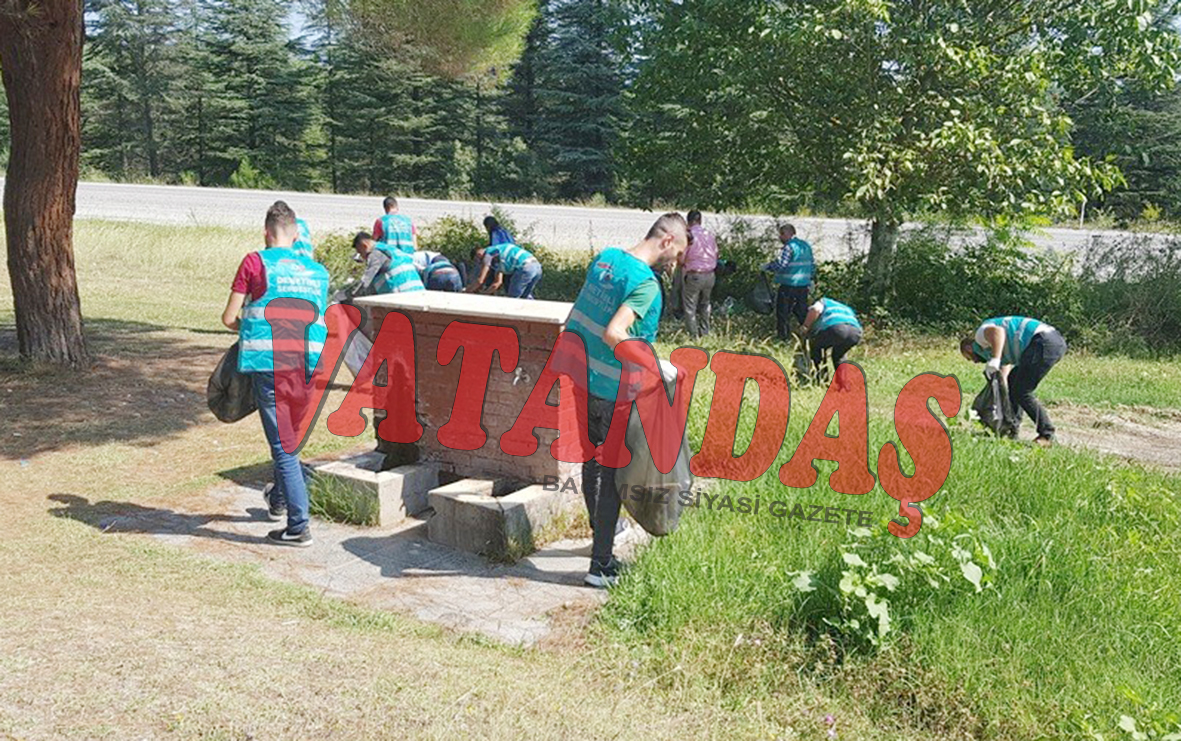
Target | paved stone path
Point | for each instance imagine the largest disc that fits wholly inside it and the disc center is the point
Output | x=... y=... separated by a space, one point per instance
x=396 y=569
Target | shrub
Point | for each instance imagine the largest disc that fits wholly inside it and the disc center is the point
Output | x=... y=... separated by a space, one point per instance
x=1132 y=292
x=335 y=252
x=249 y=177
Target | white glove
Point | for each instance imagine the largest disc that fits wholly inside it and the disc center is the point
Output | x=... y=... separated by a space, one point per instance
x=992 y=367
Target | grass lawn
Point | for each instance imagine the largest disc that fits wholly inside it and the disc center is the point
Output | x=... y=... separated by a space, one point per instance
x=734 y=627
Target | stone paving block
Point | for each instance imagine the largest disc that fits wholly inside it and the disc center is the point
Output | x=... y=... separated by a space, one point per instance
x=395 y=494
x=467 y=516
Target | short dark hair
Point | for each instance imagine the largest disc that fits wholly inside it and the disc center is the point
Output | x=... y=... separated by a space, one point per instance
x=665 y=225
x=968 y=345
x=694 y=217
x=389 y=202
x=490 y=223
x=280 y=218
x=361 y=237
x=787 y=228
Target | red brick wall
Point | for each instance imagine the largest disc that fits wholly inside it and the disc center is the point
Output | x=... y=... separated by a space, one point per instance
x=437 y=385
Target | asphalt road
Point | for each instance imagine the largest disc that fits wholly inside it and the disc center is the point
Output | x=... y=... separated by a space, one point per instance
x=566 y=228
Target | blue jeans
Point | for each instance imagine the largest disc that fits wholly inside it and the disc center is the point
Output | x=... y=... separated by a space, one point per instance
x=522 y=282
x=289 y=482
x=444 y=279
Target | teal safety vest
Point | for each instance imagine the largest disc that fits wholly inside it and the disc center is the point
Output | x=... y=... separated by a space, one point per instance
x=303 y=245
x=802 y=267
x=610 y=279
x=401 y=276
x=427 y=263
x=512 y=256
x=1019 y=330
x=289 y=275
x=397 y=231
x=835 y=313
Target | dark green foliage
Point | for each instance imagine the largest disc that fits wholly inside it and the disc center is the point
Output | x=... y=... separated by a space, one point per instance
x=1142 y=132
x=578 y=94
x=130 y=66
x=1132 y=290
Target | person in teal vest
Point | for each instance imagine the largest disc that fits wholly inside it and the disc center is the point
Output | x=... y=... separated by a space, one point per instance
x=303 y=244
x=620 y=298
x=387 y=269
x=278 y=272
x=395 y=229
x=830 y=327
x=519 y=264
x=794 y=270
x=437 y=272
x=1022 y=350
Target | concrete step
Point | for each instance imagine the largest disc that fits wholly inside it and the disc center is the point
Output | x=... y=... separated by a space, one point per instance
x=468 y=516
x=395 y=494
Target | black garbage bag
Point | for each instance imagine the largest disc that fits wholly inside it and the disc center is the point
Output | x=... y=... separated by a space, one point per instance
x=230 y=393
x=992 y=406
x=653 y=498
x=761 y=300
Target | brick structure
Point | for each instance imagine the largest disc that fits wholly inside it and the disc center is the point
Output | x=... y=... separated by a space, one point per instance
x=537 y=324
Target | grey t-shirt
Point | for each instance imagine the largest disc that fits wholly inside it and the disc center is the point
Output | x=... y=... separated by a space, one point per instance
x=376 y=264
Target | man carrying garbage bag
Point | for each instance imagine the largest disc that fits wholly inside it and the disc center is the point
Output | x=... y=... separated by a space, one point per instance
x=1022 y=351
x=278 y=272
x=619 y=299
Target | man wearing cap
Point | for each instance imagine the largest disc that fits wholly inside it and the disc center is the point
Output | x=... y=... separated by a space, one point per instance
x=1022 y=350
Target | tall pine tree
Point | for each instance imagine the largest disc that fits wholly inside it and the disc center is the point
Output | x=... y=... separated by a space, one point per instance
x=578 y=89
x=132 y=61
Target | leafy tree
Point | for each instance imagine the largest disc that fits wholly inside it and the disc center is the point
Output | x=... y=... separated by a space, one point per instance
x=896 y=108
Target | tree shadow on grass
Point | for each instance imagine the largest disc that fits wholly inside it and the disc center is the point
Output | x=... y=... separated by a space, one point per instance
x=146 y=384
x=125 y=517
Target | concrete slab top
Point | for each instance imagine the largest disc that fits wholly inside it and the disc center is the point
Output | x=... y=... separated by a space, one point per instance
x=471 y=305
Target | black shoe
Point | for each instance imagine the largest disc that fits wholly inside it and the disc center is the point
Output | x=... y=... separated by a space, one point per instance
x=604 y=575
x=276 y=507
x=282 y=537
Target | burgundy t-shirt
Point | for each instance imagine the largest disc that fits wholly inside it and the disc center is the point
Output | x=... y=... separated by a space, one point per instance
x=251 y=278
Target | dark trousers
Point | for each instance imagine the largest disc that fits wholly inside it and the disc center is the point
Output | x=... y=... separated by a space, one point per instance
x=791 y=301
x=1043 y=352
x=695 y=293
x=598 y=483
x=840 y=338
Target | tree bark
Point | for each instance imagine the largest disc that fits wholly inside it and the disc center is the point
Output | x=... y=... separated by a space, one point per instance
x=879 y=264
x=41 y=61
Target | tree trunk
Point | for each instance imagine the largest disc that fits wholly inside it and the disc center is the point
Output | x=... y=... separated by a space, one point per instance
x=41 y=61
x=878 y=282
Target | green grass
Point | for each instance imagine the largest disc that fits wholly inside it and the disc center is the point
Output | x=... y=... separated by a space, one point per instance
x=335 y=500
x=1080 y=625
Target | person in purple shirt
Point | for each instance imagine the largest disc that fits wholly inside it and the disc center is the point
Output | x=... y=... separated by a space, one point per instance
x=701 y=264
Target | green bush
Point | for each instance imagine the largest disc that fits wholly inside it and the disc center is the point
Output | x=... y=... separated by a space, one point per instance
x=249 y=177
x=1132 y=291
x=335 y=252
x=953 y=289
